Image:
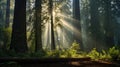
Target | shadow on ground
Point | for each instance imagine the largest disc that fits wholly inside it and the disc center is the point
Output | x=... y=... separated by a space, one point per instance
x=55 y=62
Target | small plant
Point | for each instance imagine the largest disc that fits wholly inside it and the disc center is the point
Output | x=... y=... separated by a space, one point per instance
x=94 y=54
x=73 y=50
x=75 y=46
x=104 y=55
x=114 y=53
x=55 y=53
x=64 y=53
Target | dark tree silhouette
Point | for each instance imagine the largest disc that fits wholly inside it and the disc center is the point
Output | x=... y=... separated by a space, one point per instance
x=76 y=23
x=108 y=24
x=38 y=30
x=18 y=40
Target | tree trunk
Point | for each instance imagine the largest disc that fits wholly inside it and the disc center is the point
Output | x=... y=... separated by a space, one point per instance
x=77 y=24
x=76 y=16
x=6 y=39
x=38 y=31
x=52 y=25
x=95 y=26
x=108 y=24
x=2 y=13
x=18 y=40
x=7 y=14
x=76 y=11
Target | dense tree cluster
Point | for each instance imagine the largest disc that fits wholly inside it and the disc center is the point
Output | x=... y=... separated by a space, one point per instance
x=34 y=25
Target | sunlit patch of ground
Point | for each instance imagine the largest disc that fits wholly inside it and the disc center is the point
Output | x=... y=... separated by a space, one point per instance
x=94 y=64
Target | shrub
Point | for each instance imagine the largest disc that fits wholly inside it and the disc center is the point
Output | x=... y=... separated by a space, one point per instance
x=94 y=54
x=114 y=53
x=104 y=55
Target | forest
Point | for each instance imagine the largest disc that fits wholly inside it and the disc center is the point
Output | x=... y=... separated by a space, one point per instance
x=60 y=29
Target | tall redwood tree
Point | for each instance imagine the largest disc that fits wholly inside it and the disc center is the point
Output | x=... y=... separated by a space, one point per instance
x=38 y=21
x=18 y=40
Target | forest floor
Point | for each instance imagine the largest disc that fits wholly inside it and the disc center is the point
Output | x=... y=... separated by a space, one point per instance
x=75 y=64
x=56 y=62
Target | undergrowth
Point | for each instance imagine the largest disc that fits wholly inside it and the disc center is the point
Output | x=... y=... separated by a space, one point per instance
x=74 y=51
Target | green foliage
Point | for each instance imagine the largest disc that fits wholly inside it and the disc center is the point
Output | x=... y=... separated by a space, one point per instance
x=94 y=54
x=7 y=36
x=7 y=31
x=114 y=53
x=111 y=54
x=104 y=55
x=53 y=53
x=71 y=52
x=75 y=46
x=38 y=54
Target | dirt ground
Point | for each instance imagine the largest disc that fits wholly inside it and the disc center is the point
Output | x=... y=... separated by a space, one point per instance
x=55 y=62
x=74 y=64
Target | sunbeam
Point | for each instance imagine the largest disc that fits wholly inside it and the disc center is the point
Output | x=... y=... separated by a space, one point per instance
x=71 y=28
x=46 y=36
x=64 y=31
